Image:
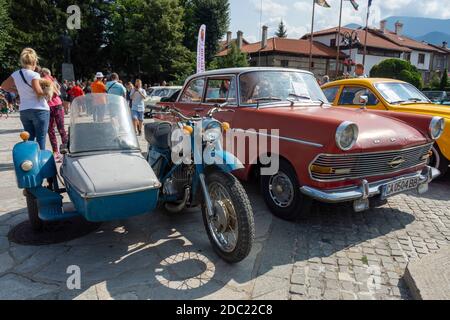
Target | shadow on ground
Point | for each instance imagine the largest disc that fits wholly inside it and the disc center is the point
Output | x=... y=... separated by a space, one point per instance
x=163 y=256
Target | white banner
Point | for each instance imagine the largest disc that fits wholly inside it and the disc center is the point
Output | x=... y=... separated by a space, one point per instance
x=201 y=60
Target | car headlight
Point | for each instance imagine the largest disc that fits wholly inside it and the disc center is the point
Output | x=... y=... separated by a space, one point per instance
x=437 y=126
x=213 y=132
x=27 y=165
x=346 y=135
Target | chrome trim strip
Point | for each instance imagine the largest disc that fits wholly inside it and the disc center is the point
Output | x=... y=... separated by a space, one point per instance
x=358 y=192
x=348 y=155
x=308 y=143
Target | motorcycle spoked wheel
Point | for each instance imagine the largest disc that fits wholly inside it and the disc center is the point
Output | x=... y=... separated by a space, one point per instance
x=231 y=230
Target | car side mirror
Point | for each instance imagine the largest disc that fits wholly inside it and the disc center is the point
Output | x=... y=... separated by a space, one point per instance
x=364 y=100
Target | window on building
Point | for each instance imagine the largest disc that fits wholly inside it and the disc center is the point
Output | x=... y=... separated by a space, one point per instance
x=285 y=63
x=352 y=95
x=407 y=56
x=421 y=58
x=333 y=43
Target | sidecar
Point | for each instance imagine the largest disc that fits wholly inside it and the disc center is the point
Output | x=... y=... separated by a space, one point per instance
x=103 y=171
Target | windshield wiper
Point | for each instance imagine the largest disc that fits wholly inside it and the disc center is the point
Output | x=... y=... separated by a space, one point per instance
x=268 y=99
x=299 y=96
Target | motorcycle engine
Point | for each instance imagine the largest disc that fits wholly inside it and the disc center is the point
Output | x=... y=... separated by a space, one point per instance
x=180 y=179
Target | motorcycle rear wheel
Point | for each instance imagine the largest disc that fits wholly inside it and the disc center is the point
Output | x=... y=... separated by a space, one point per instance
x=233 y=216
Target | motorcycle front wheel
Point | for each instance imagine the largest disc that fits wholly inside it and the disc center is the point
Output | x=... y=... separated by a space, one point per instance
x=231 y=228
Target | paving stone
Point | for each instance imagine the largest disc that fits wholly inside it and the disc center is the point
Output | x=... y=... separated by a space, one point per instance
x=6 y=262
x=20 y=288
x=298 y=289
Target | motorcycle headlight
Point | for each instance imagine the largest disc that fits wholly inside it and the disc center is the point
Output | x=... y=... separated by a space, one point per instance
x=437 y=126
x=213 y=132
x=346 y=135
x=27 y=165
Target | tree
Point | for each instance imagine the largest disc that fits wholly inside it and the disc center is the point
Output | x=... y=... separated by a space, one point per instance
x=40 y=24
x=215 y=14
x=281 y=32
x=145 y=39
x=5 y=39
x=444 y=80
x=234 y=59
x=398 y=69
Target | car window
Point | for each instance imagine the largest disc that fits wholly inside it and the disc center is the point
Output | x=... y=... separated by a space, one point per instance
x=352 y=95
x=194 y=91
x=331 y=93
x=221 y=91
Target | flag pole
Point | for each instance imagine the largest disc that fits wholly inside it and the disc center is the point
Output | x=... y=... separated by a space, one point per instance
x=339 y=41
x=312 y=36
x=367 y=31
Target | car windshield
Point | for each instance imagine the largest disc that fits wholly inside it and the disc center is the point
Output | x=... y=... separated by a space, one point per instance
x=101 y=122
x=401 y=93
x=258 y=87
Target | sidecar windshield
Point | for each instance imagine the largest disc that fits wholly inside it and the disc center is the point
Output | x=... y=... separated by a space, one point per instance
x=101 y=122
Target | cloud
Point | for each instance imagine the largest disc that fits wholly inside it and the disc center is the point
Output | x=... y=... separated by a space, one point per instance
x=271 y=8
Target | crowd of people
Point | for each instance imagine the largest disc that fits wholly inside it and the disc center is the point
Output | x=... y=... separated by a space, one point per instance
x=41 y=114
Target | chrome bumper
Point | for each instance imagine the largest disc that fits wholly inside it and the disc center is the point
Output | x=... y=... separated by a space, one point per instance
x=365 y=190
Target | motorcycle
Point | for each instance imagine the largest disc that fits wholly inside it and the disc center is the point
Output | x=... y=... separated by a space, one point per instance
x=107 y=178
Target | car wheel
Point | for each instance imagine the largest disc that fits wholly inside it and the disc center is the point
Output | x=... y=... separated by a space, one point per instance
x=281 y=192
x=33 y=211
x=438 y=161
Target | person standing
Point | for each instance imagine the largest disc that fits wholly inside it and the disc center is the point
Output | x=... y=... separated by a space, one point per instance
x=98 y=86
x=34 y=109
x=128 y=97
x=359 y=71
x=115 y=87
x=138 y=96
x=56 y=117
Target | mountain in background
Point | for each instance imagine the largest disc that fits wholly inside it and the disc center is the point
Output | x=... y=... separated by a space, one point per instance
x=430 y=30
x=436 y=38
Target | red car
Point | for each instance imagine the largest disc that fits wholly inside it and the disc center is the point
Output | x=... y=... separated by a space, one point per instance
x=328 y=154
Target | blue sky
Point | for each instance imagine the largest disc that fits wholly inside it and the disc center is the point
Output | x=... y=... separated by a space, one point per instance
x=245 y=14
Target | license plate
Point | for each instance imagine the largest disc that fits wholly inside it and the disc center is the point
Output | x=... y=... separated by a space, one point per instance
x=400 y=186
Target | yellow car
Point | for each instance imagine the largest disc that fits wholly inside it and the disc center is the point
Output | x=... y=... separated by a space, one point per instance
x=392 y=95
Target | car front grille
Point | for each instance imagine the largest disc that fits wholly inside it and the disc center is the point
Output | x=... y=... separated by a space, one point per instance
x=365 y=165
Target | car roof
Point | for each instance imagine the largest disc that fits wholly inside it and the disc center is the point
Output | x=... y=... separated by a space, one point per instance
x=219 y=72
x=355 y=81
x=167 y=87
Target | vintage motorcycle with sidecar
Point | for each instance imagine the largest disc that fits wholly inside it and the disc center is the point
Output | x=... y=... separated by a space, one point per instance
x=107 y=178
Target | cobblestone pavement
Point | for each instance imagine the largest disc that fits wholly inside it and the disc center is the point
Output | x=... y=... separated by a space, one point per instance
x=332 y=253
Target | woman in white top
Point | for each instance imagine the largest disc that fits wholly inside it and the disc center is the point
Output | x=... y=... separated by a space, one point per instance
x=34 y=110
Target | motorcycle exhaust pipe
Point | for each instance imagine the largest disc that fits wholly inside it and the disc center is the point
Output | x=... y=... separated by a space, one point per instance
x=173 y=208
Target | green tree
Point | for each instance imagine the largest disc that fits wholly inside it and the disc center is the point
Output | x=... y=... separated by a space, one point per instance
x=5 y=39
x=444 y=80
x=398 y=69
x=215 y=14
x=40 y=24
x=281 y=32
x=234 y=59
x=145 y=39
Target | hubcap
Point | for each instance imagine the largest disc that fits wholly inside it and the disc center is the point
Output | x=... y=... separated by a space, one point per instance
x=281 y=190
x=223 y=224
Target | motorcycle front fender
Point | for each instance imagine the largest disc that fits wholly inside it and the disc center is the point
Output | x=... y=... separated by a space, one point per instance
x=223 y=160
x=43 y=164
